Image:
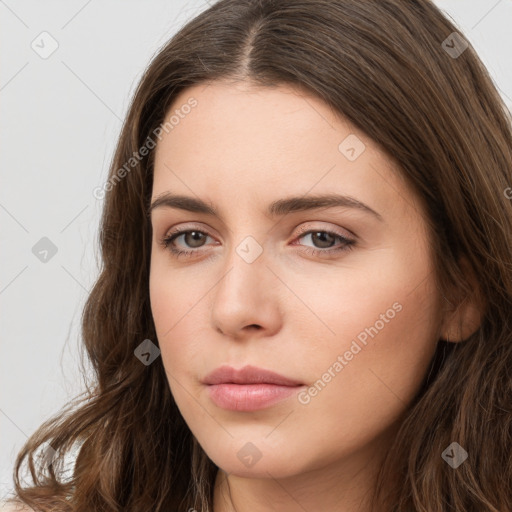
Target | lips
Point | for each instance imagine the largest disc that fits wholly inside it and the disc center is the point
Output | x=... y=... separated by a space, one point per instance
x=248 y=375
x=248 y=389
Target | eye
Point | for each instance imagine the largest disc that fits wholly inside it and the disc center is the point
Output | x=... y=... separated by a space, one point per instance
x=326 y=239
x=195 y=239
x=192 y=237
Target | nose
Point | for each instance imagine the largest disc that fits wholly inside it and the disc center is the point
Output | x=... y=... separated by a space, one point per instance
x=246 y=301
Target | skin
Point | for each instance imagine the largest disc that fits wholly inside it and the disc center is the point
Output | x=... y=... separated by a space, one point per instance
x=239 y=149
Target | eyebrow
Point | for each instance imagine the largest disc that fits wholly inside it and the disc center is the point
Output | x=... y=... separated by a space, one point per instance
x=280 y=207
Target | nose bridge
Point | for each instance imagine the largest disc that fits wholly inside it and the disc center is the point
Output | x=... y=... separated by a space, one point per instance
x=246 y=269
x=245 y=294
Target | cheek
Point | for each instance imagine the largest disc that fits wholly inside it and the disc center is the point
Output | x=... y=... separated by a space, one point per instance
x=174 y=292
x=370 y=369
x=176 y=306
x=383 y=305
x=172 y=302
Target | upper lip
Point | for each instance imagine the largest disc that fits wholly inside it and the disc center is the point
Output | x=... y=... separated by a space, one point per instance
x=247 y=375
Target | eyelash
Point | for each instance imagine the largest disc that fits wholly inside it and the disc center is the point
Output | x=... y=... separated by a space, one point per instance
x=167 y=241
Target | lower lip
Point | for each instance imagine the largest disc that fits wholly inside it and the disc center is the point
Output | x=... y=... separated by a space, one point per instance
x=249 y=397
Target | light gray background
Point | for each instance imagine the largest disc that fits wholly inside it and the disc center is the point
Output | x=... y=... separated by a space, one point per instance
x=60 y=120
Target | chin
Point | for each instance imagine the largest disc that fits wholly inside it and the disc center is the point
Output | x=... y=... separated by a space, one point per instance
x=256 y=459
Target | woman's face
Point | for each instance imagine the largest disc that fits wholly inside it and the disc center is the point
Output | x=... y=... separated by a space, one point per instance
x=273 y=283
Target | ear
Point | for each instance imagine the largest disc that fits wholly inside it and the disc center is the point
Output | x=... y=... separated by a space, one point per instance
x=463 y=314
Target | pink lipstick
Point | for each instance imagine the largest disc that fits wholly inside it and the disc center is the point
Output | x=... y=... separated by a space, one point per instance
x=249 y=388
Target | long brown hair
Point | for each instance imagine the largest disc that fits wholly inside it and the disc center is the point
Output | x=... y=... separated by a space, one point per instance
x=396 y=71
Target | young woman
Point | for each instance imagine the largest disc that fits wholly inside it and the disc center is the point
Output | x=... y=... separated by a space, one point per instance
x=306 y=294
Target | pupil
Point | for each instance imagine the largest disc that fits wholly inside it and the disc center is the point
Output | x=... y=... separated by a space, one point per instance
x=196 y=236
x=322 y=235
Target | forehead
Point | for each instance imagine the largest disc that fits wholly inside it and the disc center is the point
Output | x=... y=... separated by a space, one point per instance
x=240 y=141
x=263 y=118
